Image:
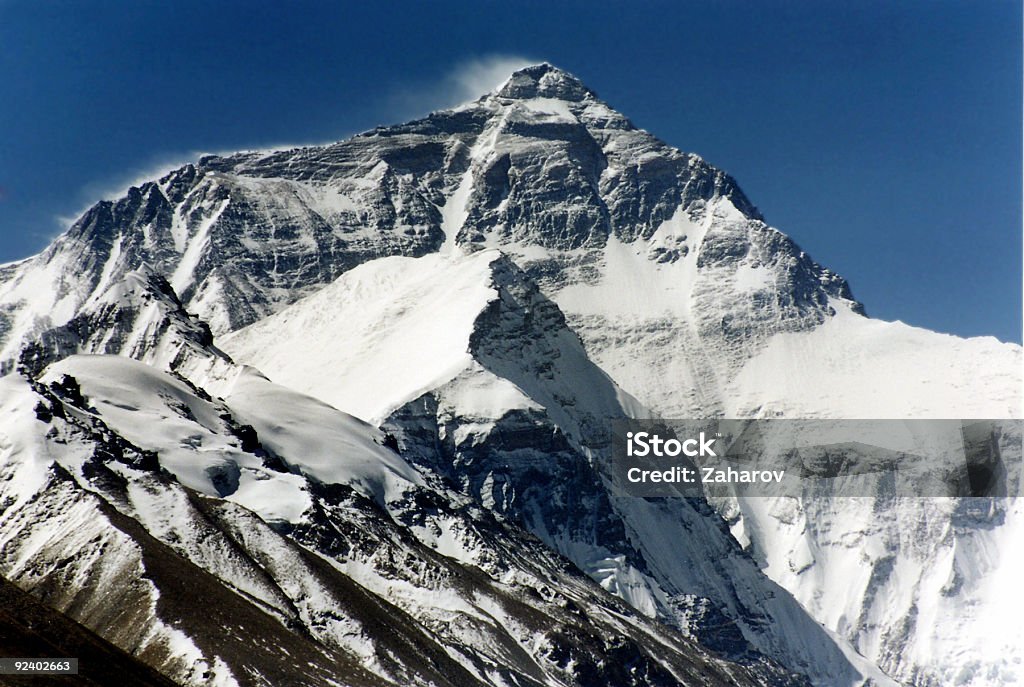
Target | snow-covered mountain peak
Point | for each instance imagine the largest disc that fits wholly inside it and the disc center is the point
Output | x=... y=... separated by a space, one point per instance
x=540 y=162
x=490 y=283
x=544 y=80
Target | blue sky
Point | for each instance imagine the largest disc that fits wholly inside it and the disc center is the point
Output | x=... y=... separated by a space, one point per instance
x=884 y=137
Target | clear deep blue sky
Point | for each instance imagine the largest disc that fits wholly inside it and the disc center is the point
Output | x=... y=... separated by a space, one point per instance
x=884 y=137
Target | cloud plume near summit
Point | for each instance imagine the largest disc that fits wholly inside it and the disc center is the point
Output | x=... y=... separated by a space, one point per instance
x=464 y=82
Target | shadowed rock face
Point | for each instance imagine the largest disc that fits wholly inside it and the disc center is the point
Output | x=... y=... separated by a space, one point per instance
x=31 y=629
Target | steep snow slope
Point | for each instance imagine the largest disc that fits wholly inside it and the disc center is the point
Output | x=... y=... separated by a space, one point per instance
x=856 y=367
x=139 y=316
x=895 y=576
x=386 y=331
x=154 y=410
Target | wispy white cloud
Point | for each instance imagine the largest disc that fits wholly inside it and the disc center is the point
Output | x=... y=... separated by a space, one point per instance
x=117 y=186
x=464 y=82
x=113 y=188
x=478 y=76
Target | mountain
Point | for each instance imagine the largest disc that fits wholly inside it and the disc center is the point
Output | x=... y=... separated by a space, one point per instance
x=491 y=285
